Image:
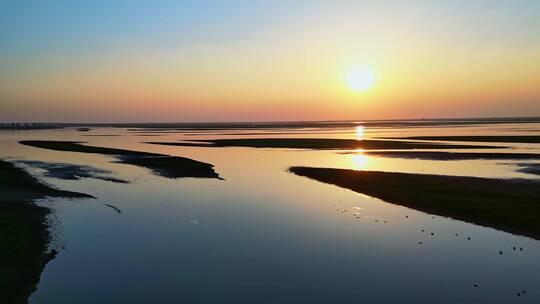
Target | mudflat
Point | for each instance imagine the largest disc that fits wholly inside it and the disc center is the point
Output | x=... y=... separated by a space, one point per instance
x=23 y=231
x=442 y=155
x=511 y=205
x=318 y=144
x=479 y=138
x=160 y=164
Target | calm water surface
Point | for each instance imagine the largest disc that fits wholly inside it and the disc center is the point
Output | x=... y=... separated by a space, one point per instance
x=263 y=235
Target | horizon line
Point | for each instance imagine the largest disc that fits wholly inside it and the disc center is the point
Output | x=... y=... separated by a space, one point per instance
x=486 y=118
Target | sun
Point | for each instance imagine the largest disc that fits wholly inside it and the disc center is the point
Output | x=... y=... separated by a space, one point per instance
x=360 y=78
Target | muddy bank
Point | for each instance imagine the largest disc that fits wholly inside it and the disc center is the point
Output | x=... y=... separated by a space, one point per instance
x=172 y=166
x=441 y=155
x=72 y=171
x=316 y=144
x=511 y=205
x=160 y=164
x=76 y=146
x=531 y=139
x=23 y=231
x=23 y=187
x=528 y=168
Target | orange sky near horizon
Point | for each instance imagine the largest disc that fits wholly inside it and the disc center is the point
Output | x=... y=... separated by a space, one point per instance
x=290 y=70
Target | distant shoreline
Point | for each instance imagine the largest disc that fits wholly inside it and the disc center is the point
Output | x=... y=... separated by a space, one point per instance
x=274 y=124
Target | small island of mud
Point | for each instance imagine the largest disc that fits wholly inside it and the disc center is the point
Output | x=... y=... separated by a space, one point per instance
x=160 y=164
x=529 y=168
x=446 y=156
x=318 y=144
x=531 y=139
x=511 y=205
x=23 y=232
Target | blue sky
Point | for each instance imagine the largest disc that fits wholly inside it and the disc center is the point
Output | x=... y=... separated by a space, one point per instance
x=41 y=26
x=66 y=39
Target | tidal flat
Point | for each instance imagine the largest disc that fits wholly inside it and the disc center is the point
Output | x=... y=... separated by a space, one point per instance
x=262 y=227
x=24 y=233
x=164 y=165
x=532 y=139
x=449 y=156
x=71 y=171
x=317 y=144
x=529 y=168
x=511 y=205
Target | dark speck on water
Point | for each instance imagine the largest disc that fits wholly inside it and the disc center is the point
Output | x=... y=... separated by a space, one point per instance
x=114 y=208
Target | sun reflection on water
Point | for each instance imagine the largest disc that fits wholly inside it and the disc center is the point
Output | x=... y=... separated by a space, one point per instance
x=359 y=132
x=359 y=160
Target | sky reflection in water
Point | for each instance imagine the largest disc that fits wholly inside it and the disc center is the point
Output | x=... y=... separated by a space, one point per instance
x=264 y=235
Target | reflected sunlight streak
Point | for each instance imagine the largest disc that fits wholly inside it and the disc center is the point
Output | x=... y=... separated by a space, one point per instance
x=359 y=132
x=359 y=160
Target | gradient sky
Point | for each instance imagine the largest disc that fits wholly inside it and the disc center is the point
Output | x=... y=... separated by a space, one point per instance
x=168 y=61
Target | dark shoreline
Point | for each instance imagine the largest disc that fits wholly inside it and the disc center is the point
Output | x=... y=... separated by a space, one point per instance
x=528 y=168
x=232 y=125
x=72 y=171
x=318 y=144
x=446 y=156
x=160 y=164
x=528 y=139
x=24 y=234
x=511 y=205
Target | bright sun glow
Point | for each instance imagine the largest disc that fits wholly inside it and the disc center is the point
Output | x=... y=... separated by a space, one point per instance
x=360 y=78
x=359 y=161
x=359 y=132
